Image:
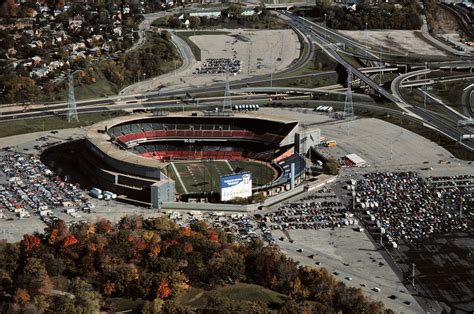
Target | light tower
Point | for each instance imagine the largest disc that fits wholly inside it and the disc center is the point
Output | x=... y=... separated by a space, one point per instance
x=71 y=102
x=348 y=106
x=227 y=100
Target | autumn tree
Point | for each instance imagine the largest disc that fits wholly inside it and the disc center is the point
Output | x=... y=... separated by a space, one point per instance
x=30 y=244
x=34 y=277
x=21 y=89
x=226 y=265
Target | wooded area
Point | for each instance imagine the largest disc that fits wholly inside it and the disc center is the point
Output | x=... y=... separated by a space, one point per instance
x=405 y=15
x=87 y=267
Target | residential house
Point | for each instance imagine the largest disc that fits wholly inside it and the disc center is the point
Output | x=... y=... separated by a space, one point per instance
x=39 y=72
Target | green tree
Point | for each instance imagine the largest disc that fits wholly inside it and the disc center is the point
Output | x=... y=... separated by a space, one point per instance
x=331 y=167
x=35 y=278
x=153 y=307
x=194 y=21
x=84 y=296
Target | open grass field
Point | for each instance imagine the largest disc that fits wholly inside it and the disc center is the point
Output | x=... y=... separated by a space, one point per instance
x=203 y=176
x=17 y=127
x=261 y=173
x=197 y=298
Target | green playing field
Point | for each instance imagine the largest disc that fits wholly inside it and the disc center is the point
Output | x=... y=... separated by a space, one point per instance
x=203 y=176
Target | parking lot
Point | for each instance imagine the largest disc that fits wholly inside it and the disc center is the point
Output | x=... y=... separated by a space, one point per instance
x=318 y=230
x=315 y=211
x=403 y=205
x=218 y=66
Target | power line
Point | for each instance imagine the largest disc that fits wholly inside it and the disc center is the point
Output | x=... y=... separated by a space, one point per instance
x=348 y=105
x=227 y=104
x=71 y=102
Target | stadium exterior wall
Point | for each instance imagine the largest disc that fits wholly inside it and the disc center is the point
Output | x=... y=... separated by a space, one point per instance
x=131 y=168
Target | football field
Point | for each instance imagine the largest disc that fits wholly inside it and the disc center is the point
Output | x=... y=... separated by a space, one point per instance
x=204 y=176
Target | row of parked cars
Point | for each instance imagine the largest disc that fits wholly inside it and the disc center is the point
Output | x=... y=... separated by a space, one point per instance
x=30 y=187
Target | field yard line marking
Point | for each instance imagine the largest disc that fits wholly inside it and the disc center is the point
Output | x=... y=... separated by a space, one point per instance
x=179 y=177
x=230 y=167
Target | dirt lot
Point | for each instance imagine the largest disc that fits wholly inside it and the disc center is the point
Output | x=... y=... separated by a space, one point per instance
x=445 y=22
x=396 y=40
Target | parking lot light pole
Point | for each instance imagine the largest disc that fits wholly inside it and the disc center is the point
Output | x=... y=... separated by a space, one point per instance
x=325 y=27
x=424 y=98
x=366 y=40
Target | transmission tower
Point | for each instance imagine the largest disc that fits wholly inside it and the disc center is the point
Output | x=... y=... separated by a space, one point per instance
x=71 y=102
x=227 y=104
x=348 y=106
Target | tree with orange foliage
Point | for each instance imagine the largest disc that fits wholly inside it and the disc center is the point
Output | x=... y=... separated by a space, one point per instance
x=163 y=290
x=213 y=236
x=188 y=247
x=90 y=231
x=70 y=240
x=30 y=243
x=22 y=297
x=109 y=288
x=186 y=232
x=154 y=250
x=12 y=7
x=53 y=237
x=104 y=226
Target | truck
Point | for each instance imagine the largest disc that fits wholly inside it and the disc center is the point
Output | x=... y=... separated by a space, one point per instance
x=110 y=194
x=97 y=193
x=331 y=143
x=70 y=210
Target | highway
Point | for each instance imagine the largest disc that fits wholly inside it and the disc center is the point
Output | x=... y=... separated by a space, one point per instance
x=308 y=31
x=466 y=100
x=442 y=123
x=332 y=50
x=436 y=122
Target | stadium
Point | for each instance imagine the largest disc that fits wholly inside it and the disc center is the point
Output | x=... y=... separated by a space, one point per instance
x=176 y=157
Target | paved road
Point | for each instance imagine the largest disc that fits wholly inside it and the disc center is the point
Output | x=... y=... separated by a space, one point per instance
x=466 y=100
x=428 y=117
x=439 y=123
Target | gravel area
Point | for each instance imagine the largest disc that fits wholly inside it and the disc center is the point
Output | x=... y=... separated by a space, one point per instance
x=398 y=41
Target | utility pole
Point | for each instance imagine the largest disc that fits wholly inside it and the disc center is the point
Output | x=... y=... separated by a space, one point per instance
x=71 y=103
x=325 y=27
x=413 y=275
x=391 y=150
x=227 y=100
x=271 y=67
x=424 y=94
x=354 y=198
x=366 y=40
x=348 y=105
x=381 y=65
